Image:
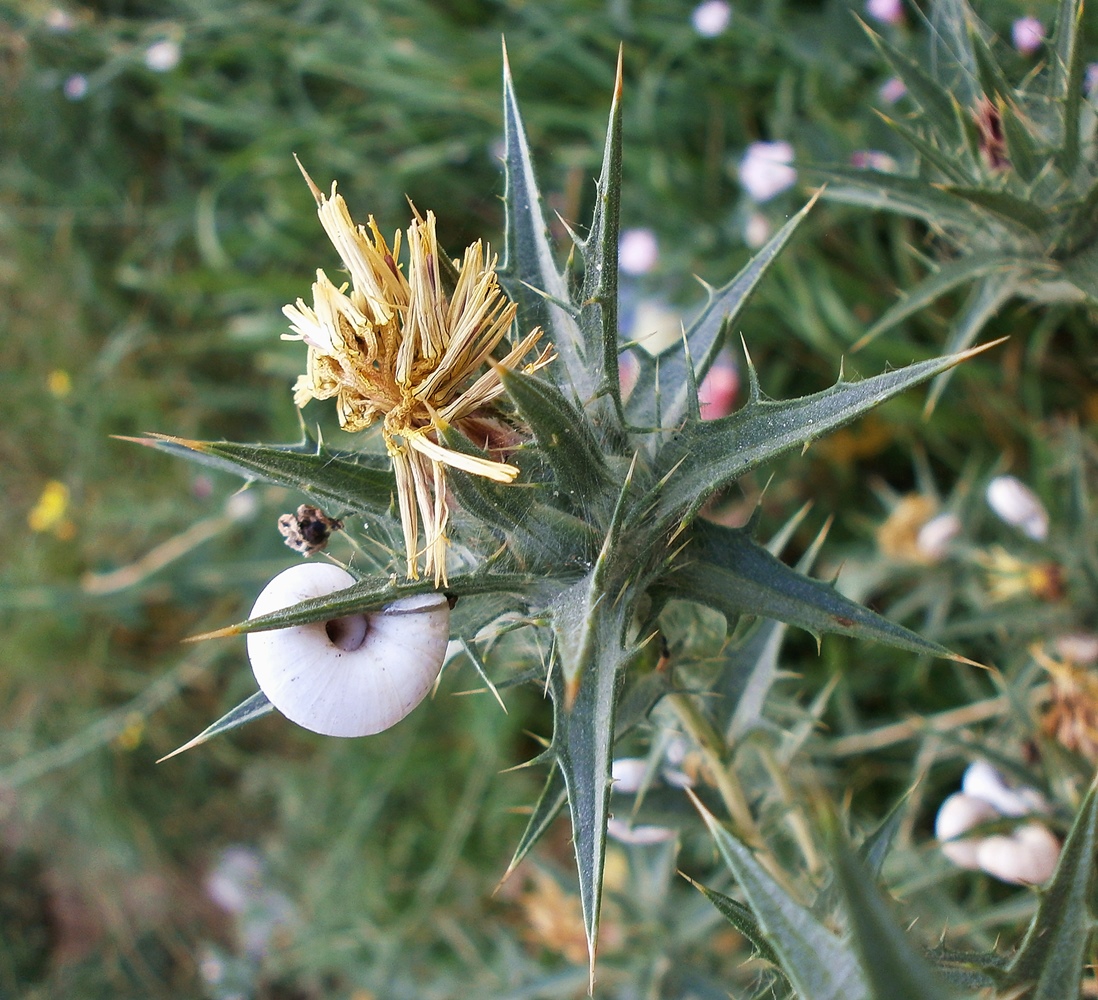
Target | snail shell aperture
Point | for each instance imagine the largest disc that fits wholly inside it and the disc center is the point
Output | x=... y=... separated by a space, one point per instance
x=348 y=676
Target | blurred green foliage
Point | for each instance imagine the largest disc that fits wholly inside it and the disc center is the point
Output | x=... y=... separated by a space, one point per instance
x=153 y=222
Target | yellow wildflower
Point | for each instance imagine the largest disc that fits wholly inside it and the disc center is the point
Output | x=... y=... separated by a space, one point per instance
x=48 y=514
x=403 y=347
x=59 y=383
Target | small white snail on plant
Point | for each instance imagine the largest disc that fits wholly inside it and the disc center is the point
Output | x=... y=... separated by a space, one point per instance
x=1026 y=855
x=348 y=676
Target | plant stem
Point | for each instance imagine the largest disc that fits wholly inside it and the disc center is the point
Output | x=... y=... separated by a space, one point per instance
x=712 y=750
x=798 y=824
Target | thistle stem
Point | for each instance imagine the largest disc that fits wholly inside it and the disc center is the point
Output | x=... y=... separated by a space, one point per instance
x=712 y=750
x=798 y=824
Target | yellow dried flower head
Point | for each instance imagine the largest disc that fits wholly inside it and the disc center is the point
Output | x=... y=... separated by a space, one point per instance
x=410 y=348
x=1072 y=714
x=1009 y=577
x=898 y=536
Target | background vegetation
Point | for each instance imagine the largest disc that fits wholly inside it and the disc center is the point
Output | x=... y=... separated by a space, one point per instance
x=152 y=223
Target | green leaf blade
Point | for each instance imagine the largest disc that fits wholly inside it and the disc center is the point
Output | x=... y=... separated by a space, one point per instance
x=949 y=276
x=589 y=629
x=1050 y=959
x=743 y=920
x=934 y=204
x=553 y=798
x=667 y=374
x=706 y=455
x=335 y=480
x=1010 y=209
x=254 y=707
x=936 y=102
x=373 y=592
x=598 y=317
x=893 y=967
x=727 y=570
x=563 y=435
x=820 y=965
x=1071 y=62
x=529 y=273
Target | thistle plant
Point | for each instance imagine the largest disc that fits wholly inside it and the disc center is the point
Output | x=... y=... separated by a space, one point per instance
x=1025 y=812
x=519 y=475
x=1005 y=175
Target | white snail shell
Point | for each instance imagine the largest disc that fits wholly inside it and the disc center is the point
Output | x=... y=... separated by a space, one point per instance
x=1018 y=505
x=984 y=782
x=1028 y=856
x=959 y=814
x=348 y=676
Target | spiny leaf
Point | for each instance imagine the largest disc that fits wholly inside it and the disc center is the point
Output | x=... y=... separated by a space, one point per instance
x=563 y=435
x=741 y=687
x=372 y=592
x=339 y=481
x=970 y=971
x=590 y=629
x=871 y=853
x=892 y=966
x=640 y=695
x=951 y=27
x=740 y=917
x=252 y=708
x=552 y=800
x=704 y=456
x=1032 y=217
x=1050 y=958
x=820 y=965
x=1082 y=270
x=598 y=318
x=746 y=676
x=725 y=569
x=1068 y=67
x=1026 y=157
x=992 y=81
x=635 y=704
x=984 y=300
x=529 y=273
x=1082 y=227
x=875 y=847
x=950 y=275
x=908 y=196
x=666 y=375
x=539 y=535
x=951 y=166
x=500 y=506
x=935 y=100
